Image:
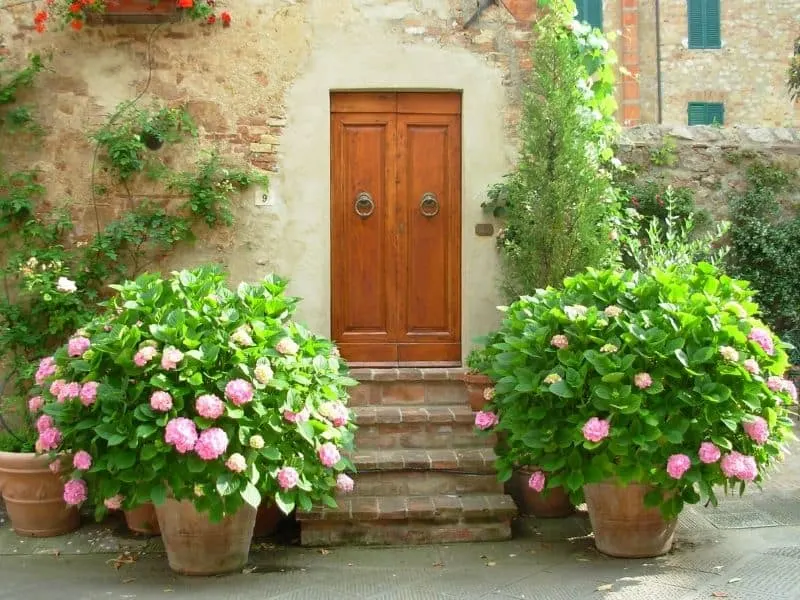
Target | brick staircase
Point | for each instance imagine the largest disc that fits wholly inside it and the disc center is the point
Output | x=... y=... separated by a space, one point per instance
x=423 y=475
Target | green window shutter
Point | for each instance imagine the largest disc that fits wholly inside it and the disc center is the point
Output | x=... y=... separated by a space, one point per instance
x=591 y=12
x=706 y=113
x=713 y=37
x=704 y=21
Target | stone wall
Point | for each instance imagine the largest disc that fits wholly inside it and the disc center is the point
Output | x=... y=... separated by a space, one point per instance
x=712 y=160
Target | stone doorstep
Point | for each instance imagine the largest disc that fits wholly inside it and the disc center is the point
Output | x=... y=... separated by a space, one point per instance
x=391 y=436
x=405 y=393
x=447 y=508
x=474 y=460
x=370 y=415
x=409 y=374
x=401 y=533
x=424 y=483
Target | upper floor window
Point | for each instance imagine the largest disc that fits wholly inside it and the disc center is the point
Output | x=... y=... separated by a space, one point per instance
x=706 y=113
x=591 y=12
x=704 y=24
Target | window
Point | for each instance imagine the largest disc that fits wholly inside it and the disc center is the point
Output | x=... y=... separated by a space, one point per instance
x=591 y=12
x=706 y=113
x=704 y=24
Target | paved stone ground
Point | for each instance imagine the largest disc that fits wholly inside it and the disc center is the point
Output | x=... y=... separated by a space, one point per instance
x=747 y=549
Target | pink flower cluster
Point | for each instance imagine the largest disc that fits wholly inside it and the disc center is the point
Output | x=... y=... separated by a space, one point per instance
x=708 y=453
x=88 y=393
x=47 y=368
x=335 y=412
x=211 y=444
x=209 y=406
x=739 y=466
x=239 y=391
x=161 y=401
x=485 y=419
x=82 y=460
x=288 y=478
x=170 y=358
x=297 y=417
x=537 y=481
x=642 y=380
x=596 y=430
x=344 y=483
x=236 y=463
x=113 y=503
x=757 y=430
x=49 y=439
x=287 y=346
x=559 y=341
x=763 y=339
x=677 y=465
x=69 y=391
x=75 y=492
x=35 y=404
x=181 y=433
x=44 y=423
x=328 y=454
x=752 y=367
x=77 y=345
x=144 y=356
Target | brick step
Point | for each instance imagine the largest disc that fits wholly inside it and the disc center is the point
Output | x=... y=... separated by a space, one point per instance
x=390 y=519
x=446 y=426
x=424 y=483
x=393 y=387
x=468 y=460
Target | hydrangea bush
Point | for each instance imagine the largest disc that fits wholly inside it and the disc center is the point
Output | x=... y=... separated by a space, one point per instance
x=665 y=378
x=186 y=388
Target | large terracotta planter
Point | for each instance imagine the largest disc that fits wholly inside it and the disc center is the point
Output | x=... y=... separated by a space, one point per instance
x=34 y=496
x=553 y=504
x=268 y=518
x=476 y=383
x=196 y=546
x=623 y=526
x=143 y=519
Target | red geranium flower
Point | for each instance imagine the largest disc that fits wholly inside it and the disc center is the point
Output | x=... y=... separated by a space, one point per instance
x=40 y=27
x=185 y=3
x=40 y=17
x=226 y=19
x=75 y=8
x=76 y=24
x=212 y=19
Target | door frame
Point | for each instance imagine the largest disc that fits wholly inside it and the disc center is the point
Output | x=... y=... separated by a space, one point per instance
x=426 y=106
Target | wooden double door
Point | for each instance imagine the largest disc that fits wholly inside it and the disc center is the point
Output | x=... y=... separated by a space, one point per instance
x=396 y=227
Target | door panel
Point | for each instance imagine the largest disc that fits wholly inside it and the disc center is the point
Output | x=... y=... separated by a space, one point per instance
x=396 y=272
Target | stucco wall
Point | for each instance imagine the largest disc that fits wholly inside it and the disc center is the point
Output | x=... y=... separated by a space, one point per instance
x=260 y=92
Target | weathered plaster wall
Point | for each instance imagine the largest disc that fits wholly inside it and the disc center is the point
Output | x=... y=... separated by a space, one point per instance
x=710 y=160
x=260 y=92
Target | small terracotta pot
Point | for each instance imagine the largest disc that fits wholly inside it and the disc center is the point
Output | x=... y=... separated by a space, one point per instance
x=143 y=519
x=268 y=518
x=550 y=504
x=476 y=383
x=196 y=546
x=34 y=496
x=623 y=526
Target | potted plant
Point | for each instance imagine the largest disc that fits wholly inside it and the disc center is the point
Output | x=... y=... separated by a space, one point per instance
x=29 y=481
x=204 y=401
x=479 y=385
x=641 y=392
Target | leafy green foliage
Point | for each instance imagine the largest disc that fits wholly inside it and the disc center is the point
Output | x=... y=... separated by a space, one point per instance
x=558 y=203
x=765 y=249
x=220 y=335
x=688 y=330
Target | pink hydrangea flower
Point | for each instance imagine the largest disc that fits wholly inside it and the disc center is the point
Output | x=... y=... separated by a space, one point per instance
x=789 y=387
x=729 y=353
x=181 y=433
x=35 y=404
x=236 y=463
x=287 y=346
x=69 y=391
x=77 y=345
x=55 y=466
x=144 y=355
x=328 y=454
x=739 y=466
x=752 y=367
x=763 y=339
x=82 y=460
x=642 y=380
x=47 y=368
x=75 y=491
x=708 y=453
x=44 y=422
x=677 y=465
x=297 y=417
x=344 y=483
x=239 y=391
x=241 y=337
x=49 y=439
x=288 y=478
x=596 y=430
x=88 y=393
x=170 y=358
x=748 y=469
x=161 y=401
x=211 y=444
x=757 y=430
x=537 y=481
x=209 y=406
x=559 y=341
x=113 y=503
x=774 y=383
x=485 y=419
x=55 y=387
x=336 y=412
x=263 y=372
x=488 y=394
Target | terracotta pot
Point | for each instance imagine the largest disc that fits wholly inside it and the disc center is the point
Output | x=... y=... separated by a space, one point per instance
x=196 y=546
x=552 y=504
x=623 y=526
x=34 y=496
x=143 y=519
x=476 y=383
x=268 y=518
